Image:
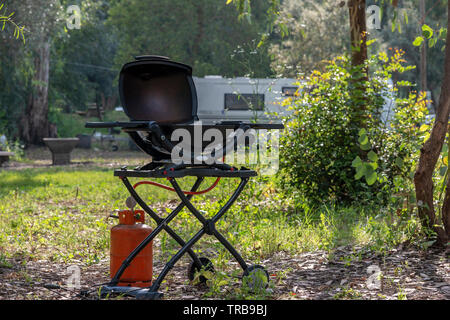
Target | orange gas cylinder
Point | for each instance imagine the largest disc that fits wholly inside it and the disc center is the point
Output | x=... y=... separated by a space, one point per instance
x=125 y=237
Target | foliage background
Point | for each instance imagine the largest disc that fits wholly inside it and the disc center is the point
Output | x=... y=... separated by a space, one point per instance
x=206 y=34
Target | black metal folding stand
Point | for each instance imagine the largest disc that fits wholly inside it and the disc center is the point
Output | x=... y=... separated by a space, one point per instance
x=171 y=172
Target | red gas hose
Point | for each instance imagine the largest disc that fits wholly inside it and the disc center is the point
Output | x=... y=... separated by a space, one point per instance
x=172 y=189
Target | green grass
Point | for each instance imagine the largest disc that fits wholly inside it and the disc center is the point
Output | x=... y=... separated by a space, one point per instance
x=60 y=214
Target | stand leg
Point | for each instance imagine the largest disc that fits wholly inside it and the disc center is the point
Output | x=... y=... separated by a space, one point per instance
x=231 y=249
x=209 y=225
x=169 y=265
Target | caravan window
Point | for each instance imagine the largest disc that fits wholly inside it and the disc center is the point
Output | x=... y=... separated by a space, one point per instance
x=244 y=101
x=289 y=91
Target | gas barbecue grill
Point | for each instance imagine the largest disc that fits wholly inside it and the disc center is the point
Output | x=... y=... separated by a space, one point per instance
x=159 y=97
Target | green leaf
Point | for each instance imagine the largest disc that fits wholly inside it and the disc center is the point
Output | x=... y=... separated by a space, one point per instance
x=424 y=127
x=432 y=42
x=397 y=180
x=368 y=167
x=363 y=139
x=357 y=162
x=418 y=41
x=404 y=83
x=366 y=147
x=369 y=43
x=399 y=162
x=427 y=32
x=374 y=165
x=443 y=33
x=359 y=172
x=208 y=274
x=428 y=244
x=442 y=171
x=371 y=178
x=222 y=283
x=405 y=16
x=372 y=156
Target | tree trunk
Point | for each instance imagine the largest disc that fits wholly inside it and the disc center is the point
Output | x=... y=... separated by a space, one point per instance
x=358 y=31
x=34 y=122
x=358 y=34
x=429 y=155
x=423 y=52
x=200 y=31
x=99 y=104
x=110 y=103
x=107 y=103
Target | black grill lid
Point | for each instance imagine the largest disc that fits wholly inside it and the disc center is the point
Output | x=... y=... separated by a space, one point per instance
x=154 y=88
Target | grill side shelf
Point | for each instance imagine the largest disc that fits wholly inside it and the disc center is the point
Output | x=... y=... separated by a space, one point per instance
x=114 y=124
x=199 y=172
x=143 y=125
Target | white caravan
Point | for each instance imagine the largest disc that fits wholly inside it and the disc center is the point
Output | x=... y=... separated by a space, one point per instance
x=246 y=99
x=242 y=99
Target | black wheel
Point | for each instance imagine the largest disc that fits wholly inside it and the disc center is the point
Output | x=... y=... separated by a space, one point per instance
x=255 y=278
x=192 y=269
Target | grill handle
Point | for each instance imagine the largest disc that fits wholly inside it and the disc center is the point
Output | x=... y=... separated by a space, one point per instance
x=135 y=124
x=151 y=57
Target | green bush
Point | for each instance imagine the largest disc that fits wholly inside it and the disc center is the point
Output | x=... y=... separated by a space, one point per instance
x=71 y=124
x=337 y=144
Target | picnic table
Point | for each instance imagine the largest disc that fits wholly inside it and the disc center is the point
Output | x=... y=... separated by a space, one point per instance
x=61 y=149
x=4 y=156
